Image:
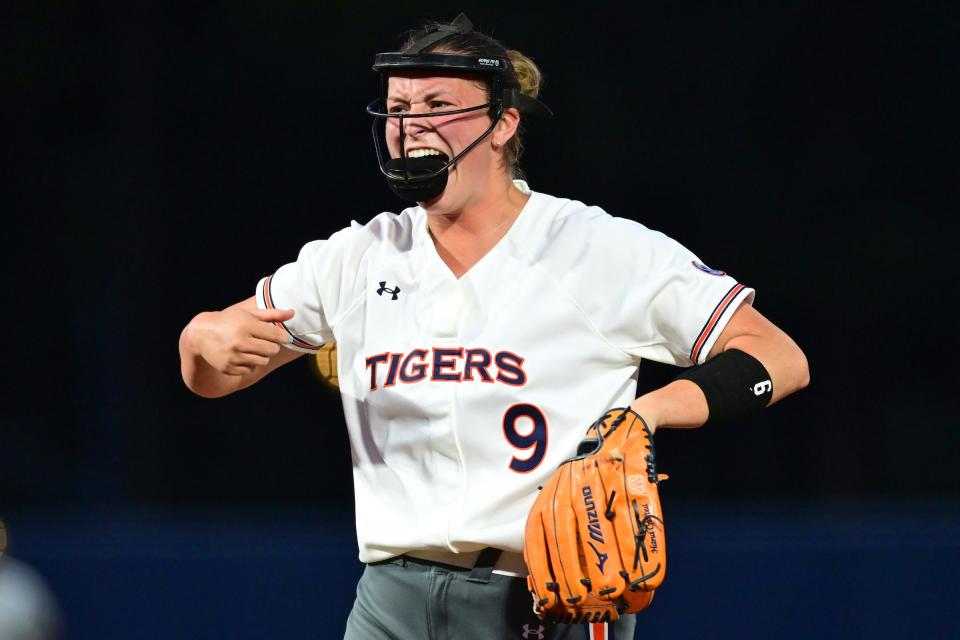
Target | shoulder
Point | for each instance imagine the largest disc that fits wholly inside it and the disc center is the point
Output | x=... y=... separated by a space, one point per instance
x=391 y=229
x=567 y=230
x=385 y=231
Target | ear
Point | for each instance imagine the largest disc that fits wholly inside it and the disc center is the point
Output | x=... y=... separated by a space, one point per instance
x=507 y=125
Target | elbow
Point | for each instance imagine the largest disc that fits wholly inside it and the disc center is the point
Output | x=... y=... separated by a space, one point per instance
x=207 y=393
x=205 y=389
x=801 y=370
x=201 y=385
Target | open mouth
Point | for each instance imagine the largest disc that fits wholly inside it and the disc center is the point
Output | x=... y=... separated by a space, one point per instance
x=420 y=176
x=427 y=153
x=419 y=164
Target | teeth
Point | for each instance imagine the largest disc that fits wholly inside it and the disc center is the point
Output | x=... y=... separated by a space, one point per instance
x=419 y=153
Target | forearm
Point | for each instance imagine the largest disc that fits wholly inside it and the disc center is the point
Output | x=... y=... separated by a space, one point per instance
x=682 y=403
x=199 y=376
x=224 y=351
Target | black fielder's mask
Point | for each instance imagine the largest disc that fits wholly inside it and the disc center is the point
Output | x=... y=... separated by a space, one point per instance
x=424 y=178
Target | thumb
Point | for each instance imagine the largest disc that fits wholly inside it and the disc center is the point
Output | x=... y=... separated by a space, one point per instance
x=272 y=315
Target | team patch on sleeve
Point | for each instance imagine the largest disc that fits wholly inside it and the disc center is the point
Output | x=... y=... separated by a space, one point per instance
x=713 y=320
x=268 y=303
x=706 y=269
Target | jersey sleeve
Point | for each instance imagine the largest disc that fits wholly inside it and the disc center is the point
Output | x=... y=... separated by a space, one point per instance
x=318 y=287
x=661 y=302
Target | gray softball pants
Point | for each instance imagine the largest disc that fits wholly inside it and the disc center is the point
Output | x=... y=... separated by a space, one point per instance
x=409 y=599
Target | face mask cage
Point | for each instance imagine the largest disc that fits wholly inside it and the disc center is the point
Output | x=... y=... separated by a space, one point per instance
x=401 y=170
x=422 y=178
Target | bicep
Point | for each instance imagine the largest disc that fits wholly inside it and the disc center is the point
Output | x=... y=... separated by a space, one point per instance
x=745 y=321
x=749 y=331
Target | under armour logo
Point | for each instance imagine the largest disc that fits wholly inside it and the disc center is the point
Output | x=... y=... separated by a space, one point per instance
x=529 y=633
x=602 y=557
x=383 y=287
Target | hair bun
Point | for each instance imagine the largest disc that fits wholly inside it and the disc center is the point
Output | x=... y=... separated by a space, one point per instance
x=529 y=76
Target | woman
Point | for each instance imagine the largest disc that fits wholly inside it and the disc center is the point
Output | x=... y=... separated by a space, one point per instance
x=478 y=334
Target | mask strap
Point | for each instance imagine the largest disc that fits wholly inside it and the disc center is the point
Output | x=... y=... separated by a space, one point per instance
x=527 y=104
x=403 y=152
x=460 y=24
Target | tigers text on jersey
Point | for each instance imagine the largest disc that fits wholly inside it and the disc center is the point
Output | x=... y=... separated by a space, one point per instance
x=463 y=395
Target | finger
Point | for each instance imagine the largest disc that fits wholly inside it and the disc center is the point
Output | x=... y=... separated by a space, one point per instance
x=271 y=315
x=536 y=558
x=237 y=370
x=564 y=548
x=600 y=549
x=638 y=523
x=271 y=332
x=265 y=347
x=249 y=360
x=572 y=534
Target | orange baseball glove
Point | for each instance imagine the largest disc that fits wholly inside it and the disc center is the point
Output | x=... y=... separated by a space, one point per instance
x=594 y=542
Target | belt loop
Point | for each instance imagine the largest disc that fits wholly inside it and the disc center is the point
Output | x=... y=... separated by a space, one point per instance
x=483 y=567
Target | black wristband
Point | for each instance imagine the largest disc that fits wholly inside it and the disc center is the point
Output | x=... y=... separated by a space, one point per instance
x=735 y=384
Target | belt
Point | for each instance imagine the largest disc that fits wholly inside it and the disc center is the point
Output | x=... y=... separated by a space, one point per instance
x=481 y=563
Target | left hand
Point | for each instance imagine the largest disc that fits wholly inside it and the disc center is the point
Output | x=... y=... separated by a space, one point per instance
x=594 y=542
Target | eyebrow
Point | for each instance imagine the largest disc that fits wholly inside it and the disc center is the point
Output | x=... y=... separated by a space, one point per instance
x=427 y=96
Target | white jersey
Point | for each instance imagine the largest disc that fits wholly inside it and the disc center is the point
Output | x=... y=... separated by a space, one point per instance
x=461 y=396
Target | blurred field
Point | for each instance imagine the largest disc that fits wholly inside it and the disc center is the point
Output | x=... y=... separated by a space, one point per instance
x=737 y=570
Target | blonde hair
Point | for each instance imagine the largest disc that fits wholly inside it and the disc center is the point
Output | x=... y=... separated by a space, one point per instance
x=529 y=79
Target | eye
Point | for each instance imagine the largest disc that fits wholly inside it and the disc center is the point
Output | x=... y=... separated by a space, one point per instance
x=398 y=108
x=439 y=104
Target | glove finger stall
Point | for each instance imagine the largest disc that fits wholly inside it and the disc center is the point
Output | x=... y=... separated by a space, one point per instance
x=598 y=539
x=567 y=566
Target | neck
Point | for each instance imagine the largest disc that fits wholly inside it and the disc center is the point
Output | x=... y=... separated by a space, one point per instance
x=463 y=237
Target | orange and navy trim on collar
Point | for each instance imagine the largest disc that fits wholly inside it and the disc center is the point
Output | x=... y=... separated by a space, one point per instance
x=713 y=320
x=268 y=303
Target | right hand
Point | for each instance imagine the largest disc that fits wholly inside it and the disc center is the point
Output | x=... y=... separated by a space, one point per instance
x=236 y=341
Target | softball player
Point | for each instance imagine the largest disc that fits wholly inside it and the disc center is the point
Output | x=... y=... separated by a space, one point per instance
x=479 y=332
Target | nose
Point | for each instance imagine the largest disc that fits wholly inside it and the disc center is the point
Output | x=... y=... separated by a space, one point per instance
x=412 y=127
x=416 y=126
x=403 y=131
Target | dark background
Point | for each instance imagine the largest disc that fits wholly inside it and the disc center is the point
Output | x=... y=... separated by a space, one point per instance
x=161 y=159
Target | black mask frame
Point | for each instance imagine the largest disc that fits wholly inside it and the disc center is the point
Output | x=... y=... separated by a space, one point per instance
x=421 y=179
x=383 y=156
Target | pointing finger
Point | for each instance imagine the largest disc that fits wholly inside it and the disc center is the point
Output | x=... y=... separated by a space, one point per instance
x=272 y=315
x=262 y=348
x=273 y=333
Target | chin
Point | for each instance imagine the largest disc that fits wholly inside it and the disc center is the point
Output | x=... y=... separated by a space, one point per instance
x=430 y=206
x=446 y=202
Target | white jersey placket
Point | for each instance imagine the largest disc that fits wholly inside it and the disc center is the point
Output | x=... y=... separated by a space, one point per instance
x=446 y=306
